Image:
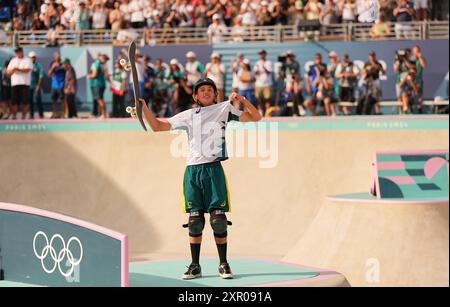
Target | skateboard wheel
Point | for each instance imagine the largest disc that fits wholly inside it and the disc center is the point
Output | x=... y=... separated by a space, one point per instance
x=129 y=109
x=123 y=62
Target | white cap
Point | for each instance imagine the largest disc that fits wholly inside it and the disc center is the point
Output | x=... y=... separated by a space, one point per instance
x=246 y=61
x=264 y=3
x=332 y=54
x=216 y=16
x=215 y=55
x=156 y=13
x=174 y=62
x=191 y=54
x=32 y=54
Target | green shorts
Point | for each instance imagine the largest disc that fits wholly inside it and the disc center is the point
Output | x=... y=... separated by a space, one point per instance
x=205 y=188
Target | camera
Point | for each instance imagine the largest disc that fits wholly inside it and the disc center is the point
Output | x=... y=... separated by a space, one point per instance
x=282 y=59
x=400 y=55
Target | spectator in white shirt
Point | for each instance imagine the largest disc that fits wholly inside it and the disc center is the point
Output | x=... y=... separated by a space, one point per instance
x=98 y=16
x=216 y=30
x=263 y=70
x=126 y=14
x=19 y=69
x=136 y=10
x=215 y=71
x=367 y=10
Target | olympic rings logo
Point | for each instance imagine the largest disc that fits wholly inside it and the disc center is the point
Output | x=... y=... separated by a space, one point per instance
x=57 y=258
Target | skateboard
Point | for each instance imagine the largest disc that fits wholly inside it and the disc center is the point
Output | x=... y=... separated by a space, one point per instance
x=135 y=111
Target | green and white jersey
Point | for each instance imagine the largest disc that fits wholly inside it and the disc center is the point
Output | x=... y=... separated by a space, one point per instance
x=205 y=128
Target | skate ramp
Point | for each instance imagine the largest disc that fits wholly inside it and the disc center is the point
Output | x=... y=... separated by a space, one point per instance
x=126 y=180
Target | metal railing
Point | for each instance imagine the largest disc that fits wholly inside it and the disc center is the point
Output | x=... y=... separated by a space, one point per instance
x=334 y=32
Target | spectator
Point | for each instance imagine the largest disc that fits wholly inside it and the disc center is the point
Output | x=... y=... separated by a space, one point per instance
x=420 y=64
x=19 y=69
x=185 y=92
x=409 y=90
x=57 y=73
x=215 y=7
x=37 y=77
x=333 y=91
x=216 y=30
x=386 y=8
x=348 y=8
x=200 y=15
x=126 y=13
x=291 y=72
x=264 y=17
x=263 y=70
x=36 y=23
x=403 y=14
x=215 y=70
x=81 y=17
x=235 y=71
x=97 y=84
x=367 y=10
x=421 y=8
x=174 y=77
x=65 y=16
x=314 y=79
x=70 y=89
x=371 y=92
x=118 y=88
x=380 y=29
x=279 y=76
x=313 y=10
x=439 y=10
x=325 y=92
x=51 y=16
x=402 y=65
x=330 y=14
x=185 y=12
x=247 y=82
x=238 y=32
x=194 y=69
x=136 y=10
x=347 y=74
x=5 y=98
x=115 y=17
x=149 y=76
x=248 y=12
x=98 y=16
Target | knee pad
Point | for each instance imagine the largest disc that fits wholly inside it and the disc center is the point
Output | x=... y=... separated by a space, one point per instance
x=219 y=223
x=196 y=224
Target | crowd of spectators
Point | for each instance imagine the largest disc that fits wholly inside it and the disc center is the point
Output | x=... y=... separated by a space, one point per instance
x=124 y=14
x=280 y=88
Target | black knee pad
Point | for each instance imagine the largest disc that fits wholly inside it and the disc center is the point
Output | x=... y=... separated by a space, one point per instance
x=219 y=223
x=196 y=224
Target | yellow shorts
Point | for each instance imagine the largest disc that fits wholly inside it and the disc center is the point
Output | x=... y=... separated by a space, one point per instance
x=263 y=93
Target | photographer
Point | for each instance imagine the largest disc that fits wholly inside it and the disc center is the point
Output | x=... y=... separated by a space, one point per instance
x=371 y=86
x=409 y=90
x=291 y=72
x=420 y=64
x=347 y=74
x=402 y=65
x=315 y=83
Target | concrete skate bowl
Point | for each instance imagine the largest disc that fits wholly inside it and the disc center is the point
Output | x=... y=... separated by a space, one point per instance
x=112 y=174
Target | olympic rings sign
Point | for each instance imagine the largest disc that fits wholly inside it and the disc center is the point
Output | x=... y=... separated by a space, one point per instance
x=58 y=257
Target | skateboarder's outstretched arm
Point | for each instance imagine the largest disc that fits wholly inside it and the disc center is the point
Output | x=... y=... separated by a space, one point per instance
x=157 y=124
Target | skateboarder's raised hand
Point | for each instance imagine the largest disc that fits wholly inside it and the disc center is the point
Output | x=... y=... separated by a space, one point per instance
x=250 y=113
x=157 y=124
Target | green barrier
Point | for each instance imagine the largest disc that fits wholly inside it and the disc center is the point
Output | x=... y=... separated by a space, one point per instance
x=45 y=248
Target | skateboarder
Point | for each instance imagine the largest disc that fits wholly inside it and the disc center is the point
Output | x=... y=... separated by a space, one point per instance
x=205 y=187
